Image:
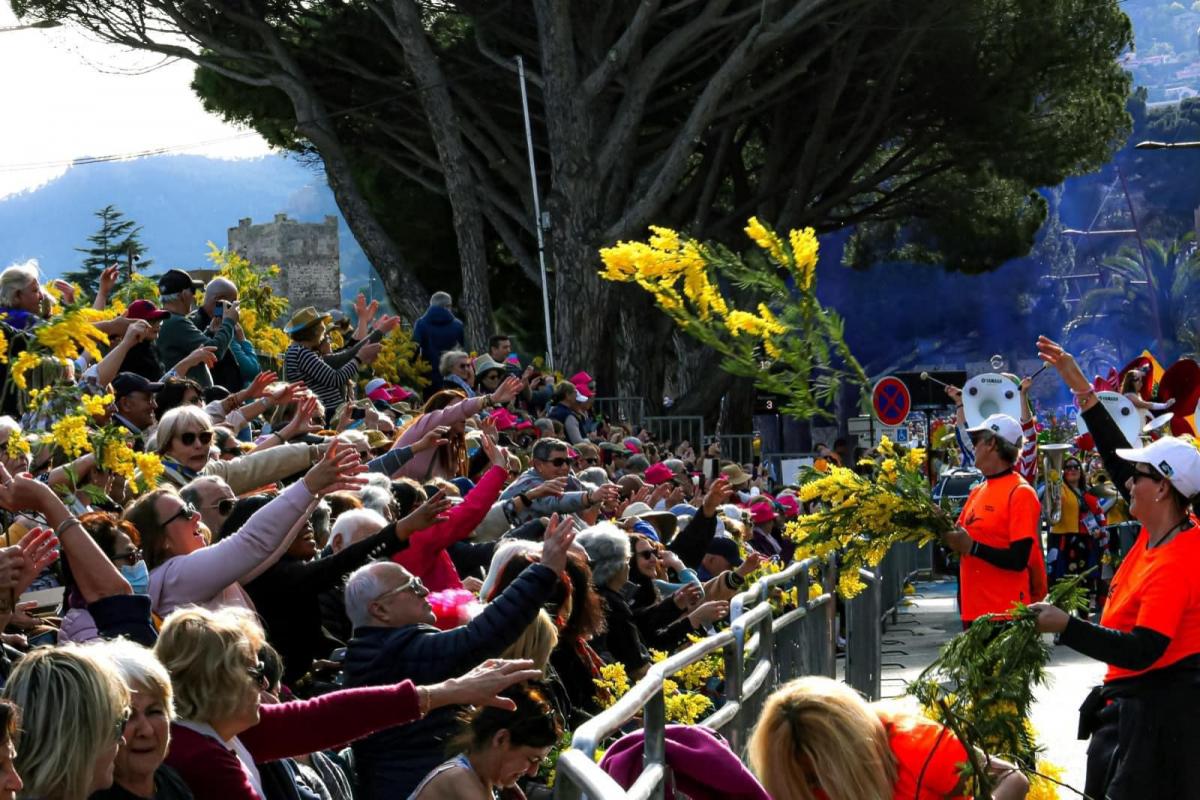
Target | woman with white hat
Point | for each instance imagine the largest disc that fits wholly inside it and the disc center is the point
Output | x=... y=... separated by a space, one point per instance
x=1142 y=720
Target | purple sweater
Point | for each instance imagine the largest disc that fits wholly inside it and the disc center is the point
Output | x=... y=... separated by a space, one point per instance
x=208 y=577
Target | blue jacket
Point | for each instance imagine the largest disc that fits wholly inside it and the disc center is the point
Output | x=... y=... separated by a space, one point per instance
x=392 y=762
x=437 y=331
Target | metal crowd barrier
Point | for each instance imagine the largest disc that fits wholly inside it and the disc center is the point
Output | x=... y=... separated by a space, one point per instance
x=737 y=447
x=677 y=429
x=629 y=410
x=864 y=637
x=759 y=653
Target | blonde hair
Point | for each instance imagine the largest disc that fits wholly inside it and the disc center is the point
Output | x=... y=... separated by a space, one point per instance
x=818 y=731
x=536 y=642
x=71 y=700
x=177 y=421
x=207 y=654
x=139 y=669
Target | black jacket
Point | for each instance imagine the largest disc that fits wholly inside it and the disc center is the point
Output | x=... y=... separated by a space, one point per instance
x=622 y=641
x=392 y=762
x=287 y=597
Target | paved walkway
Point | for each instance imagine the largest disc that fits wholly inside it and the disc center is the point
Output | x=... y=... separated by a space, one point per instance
x=930 y=619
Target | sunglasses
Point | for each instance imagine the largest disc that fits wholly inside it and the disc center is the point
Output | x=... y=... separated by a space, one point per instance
x=649 y=555
x=558 y=462
x=1071 y=466
x=130 y=558
x=224 y=506
x=595 y=462
x=187 y=511
x=258 y=672
x=188 y=439
x=1139 y=474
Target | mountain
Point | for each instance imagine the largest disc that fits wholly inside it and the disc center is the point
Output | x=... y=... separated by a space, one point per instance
x=182 y=202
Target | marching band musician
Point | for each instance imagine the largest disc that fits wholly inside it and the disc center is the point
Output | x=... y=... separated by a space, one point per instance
x=1142 y=719
x=998 y=527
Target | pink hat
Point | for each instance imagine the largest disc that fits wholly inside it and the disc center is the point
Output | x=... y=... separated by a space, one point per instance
x=506 y=420
x=657 y=473
x=583 y=384
x=379 y=389
x=761 y=512
x=791 y=506
x=632 y=444
x=702 y=765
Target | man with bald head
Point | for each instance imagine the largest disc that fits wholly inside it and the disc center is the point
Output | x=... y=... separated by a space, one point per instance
x=238 y=364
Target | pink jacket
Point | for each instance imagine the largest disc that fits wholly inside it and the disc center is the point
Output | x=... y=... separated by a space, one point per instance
x=420 y=467
x=426 y=555
x=210 y=576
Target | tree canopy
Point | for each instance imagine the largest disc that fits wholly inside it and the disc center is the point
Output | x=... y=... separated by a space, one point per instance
x=923 y=125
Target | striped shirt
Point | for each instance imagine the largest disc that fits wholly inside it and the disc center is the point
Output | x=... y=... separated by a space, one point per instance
x=328 y=384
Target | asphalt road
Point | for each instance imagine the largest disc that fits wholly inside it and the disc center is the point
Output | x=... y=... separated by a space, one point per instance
x=930 y=618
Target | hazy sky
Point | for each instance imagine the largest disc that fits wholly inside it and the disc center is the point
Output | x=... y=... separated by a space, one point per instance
x=66 y=96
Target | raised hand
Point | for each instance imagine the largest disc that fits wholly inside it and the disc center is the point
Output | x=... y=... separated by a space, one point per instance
x=369 y=352
x=718 y=494
x=483 y=684
x=339 y=469
x=750 y=563
x=40 y=549
x=137 y=331
x=258 y=386
x=109 y=278
x=201 y=355
x=495 y=453
x=560 y=535
x=433 y=438
x=301 y=423
x=708 y=613
x=551 y=488
x=687 y=596
x=507 y=391
x=426 y=515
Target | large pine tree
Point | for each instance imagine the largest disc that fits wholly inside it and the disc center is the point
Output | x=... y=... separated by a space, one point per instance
x=117 y=240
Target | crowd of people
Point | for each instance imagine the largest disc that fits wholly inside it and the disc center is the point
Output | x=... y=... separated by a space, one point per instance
x=249 y=583
x=314 y=583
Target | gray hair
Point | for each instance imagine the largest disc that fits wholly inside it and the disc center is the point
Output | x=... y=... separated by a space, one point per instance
x=607 y=547
x=354 y=525
x=174 y=422
x=375 y=499
x=544 y=426
x=594 y=475
x=543 y=447
x=506 y=550
x=15 y=278
x=637 y=463
x=446 y=363
x=139 y=668
x=321 y=521
x=440 y=299
x=362 y=587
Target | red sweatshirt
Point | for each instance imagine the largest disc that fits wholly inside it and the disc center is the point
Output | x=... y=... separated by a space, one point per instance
x=287 y=730
x=426 y=555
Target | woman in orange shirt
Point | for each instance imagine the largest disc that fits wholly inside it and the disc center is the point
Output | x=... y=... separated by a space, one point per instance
x=1142 y=720
x=817 y=739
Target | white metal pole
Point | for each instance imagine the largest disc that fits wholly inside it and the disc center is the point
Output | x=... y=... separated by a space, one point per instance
x=537 y=216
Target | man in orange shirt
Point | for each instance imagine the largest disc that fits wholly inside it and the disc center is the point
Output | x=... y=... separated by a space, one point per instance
x=998 y=526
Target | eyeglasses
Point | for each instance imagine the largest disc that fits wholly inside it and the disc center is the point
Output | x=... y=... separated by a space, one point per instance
x=224 y=506
x=187 y=511
x=558 y=462
x=595 y=462
x=130 y=558
x=119 y=725
x=649 y=555
x=188 y=439
x=413 y=584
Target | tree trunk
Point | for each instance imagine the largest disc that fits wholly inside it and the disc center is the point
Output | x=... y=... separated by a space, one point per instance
x=446 y=125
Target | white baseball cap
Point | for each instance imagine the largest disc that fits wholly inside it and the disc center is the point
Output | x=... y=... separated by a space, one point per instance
x=1001 y=425
x=1176 y=458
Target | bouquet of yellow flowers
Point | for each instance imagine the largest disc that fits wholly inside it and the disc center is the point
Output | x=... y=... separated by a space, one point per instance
x=860 y=517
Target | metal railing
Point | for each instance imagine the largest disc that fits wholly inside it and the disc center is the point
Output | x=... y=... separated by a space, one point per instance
x=630 y=410
x=864 y=635
x=737 y=447
x=676 y=430
x=759 y=651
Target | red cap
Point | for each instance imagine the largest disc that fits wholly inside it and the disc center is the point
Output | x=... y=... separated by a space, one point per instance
x=144 y=309
x=791 y=506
